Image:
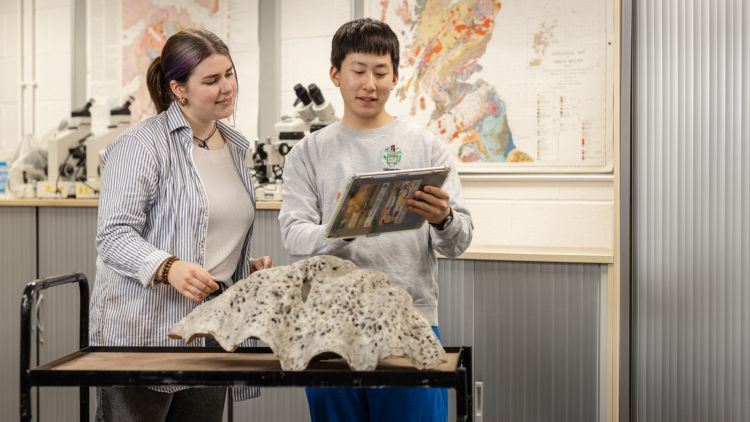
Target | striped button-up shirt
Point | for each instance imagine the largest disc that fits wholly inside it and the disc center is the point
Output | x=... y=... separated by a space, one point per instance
x=153 y=205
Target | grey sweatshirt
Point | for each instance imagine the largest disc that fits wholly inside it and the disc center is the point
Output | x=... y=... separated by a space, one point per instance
x=321 y=164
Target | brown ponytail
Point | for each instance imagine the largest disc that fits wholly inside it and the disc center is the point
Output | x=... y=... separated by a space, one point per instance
x=182 y=52
x=158 y=87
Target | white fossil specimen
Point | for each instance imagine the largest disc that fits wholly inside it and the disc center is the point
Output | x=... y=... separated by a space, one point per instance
x=318 y=305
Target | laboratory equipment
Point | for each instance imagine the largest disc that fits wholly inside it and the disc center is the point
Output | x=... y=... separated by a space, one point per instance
x=66 y=155
x=3 y=177
x=29 y=165
x=311 y=112
x=324 y=112
x=119 y=120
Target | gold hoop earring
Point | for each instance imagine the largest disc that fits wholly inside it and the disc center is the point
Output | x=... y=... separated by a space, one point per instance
x=183 y=101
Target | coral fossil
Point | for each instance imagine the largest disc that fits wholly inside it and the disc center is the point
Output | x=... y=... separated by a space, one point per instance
x=318 y=305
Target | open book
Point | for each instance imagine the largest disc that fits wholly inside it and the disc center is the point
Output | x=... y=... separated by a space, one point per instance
x=375 y=203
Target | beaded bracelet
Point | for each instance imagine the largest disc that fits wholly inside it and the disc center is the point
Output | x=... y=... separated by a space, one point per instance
x=163 y=277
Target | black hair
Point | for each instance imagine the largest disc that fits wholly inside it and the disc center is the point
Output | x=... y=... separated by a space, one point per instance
x=181 y=54
x=367 y=36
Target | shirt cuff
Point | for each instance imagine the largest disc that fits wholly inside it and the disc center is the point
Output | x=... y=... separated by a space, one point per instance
x=149 y=267
x=450 y=231
x=336 y=244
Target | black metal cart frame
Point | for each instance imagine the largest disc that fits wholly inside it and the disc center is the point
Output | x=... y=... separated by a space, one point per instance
x=45 y=375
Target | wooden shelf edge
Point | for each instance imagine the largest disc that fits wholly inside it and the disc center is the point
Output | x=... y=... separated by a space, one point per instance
x=582 y=256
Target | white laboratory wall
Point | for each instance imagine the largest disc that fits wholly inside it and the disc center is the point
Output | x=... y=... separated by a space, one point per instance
x=306 y=32
x=542 y=215
x=10 y=75
x=54 y=66
x=47 y=59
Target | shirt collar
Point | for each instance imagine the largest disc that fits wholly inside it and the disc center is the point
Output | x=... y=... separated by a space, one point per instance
x=231 y=136
x=176 y=120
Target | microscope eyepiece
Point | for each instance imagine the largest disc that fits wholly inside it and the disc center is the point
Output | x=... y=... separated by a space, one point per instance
x=315 y=93
x=302 y=94
x=124 y=109
x=85 y=111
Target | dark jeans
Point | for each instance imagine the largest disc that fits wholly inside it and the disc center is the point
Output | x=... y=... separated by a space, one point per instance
x=134 y=404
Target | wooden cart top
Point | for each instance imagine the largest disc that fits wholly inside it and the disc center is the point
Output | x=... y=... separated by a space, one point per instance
x=143 y=361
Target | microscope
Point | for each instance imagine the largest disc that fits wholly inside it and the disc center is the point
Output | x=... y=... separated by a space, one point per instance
x=66 y=154
x=94 y=147
x=324 y=113
x=311 y=112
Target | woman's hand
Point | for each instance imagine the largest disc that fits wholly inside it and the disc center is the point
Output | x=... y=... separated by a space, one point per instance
x=260 y=263
x=191 y=280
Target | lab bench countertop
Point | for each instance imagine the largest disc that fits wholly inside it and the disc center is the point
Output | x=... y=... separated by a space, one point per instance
x=90 y=203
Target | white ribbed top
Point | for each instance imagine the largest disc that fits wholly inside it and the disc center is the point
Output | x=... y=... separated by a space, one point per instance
x=230 y=210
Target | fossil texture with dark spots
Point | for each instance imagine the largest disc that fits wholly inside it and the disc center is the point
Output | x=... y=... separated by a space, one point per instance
x=319 y=305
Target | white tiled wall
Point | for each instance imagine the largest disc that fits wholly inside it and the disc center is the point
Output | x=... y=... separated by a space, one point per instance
x=544 y=214
x=54 y=55
x=306 y=32
x=10 y=39
x=51 y=57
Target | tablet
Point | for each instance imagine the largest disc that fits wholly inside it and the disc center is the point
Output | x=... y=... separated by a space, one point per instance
x=375 y=203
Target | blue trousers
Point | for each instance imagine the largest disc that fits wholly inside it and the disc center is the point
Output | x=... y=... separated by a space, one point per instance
x=378 y=404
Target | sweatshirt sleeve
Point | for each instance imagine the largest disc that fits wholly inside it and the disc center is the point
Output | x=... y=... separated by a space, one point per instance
x=454 y=239
x=300 y=218
x=129 y=185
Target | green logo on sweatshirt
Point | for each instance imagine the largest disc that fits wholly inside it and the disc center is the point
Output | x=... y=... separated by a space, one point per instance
x=392 y=156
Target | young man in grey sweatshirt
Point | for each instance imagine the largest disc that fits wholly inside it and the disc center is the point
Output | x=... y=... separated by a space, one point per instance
x=364 y=66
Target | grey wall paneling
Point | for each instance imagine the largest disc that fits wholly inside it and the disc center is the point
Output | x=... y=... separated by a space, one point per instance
x=456 y=309
x=691 y=211
x=17 y=267
x=66 y=244
x=267 y=237
x=274 y=404
x=536 y=340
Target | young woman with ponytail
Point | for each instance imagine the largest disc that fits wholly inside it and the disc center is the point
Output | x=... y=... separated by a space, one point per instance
x=175 y=222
